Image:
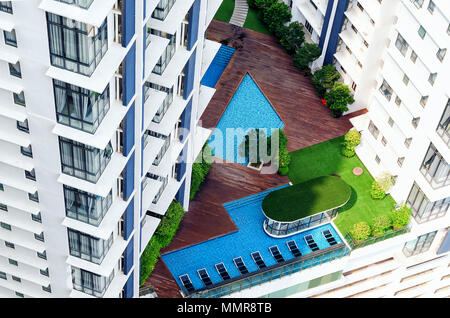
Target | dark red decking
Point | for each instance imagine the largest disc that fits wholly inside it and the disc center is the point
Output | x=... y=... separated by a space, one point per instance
x=306 y=120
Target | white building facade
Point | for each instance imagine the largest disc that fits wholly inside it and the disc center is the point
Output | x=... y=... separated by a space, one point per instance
x=99 y=108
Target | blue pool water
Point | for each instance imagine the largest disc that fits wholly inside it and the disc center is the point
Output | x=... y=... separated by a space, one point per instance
x=248 y=108
x=246 y=214
x=217 y=66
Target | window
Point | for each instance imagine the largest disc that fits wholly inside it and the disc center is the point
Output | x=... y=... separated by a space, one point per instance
x=384 y=141
x=443 y=128
x=373 y=130
x=90 y=283
x=85 y=4
x=413 y=56
x=309 y=27
x=313 y=4
x=23 y=126
x=15 y=278
x=405 y=79
x=3 y=207
x=1 y=187
x=422 y=32
x=19 y=99
x=422 y=208
x=36 y=217
x=83 y=161
x=9 y=244
x=417 y=3
x=44 y=272
x=408 y=142
x=420 y=245
x=377 y=159
x=42 y=255
x=162 y=9
x=87 y=247
x=3 y=275
x=398 y=101
x=415 y=122
x=400 y=161
x=86 y=207
x=19 y=295
x=33 y=196
x=401 y=44
x=423 y=100
x=386 y=90
x=390 y=121
x=76 y=46
x=39 y=237
x=441 y=54
x=431 y=6
x=14 y=69
x=435 y=169
x=30 y=174
x=48 y=288
x=10 y=38
x=6 y=226
x=80 y=108
x=6 y=6
x=13 y=262
x=432 y=78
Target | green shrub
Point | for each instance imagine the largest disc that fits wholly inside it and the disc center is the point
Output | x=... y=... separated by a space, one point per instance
x=385 y=180
x=347 y=151
x=262 y=4
x=338 y=99
x=352 y=138
x=305 y=55
x=149 y=258
x=283 y=170
x=252 y=4
x=381 y=224
x=377 y=191
x=324 y=79
x=292 y=37
x=360 y=231
x=400 y=217
x=200 y=169
x=169 y=224
x=285 y=158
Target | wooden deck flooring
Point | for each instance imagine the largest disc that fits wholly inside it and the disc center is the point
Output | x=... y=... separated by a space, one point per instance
x=307 y=122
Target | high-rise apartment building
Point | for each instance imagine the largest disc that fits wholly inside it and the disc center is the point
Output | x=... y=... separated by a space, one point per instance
x=99 y=104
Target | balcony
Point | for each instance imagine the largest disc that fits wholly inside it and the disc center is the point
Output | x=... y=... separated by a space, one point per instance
x=10 y=133
x=173 y=19
x=104 y=132
x=171 y=116
x=153 y=51
x=11 y=155
x=102 y=75
x=166 y=198
x=311 y=14
x=95 y=15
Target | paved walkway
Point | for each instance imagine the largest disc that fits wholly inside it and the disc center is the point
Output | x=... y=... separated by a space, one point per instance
x=239 y=13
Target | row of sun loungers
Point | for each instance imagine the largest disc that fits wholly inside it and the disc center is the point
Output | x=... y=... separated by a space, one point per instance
x=257 y=258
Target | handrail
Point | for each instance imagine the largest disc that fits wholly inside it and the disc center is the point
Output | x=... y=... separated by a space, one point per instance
x=375 y=239
x=270 y=273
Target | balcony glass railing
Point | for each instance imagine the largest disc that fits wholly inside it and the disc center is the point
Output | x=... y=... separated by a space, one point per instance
x=163 y=9
x=85 y=4
x=443 y=129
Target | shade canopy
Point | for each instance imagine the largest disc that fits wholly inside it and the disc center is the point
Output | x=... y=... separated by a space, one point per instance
x=305 y=199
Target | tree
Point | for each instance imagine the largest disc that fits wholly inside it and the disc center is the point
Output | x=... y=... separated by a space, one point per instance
x=324 y=79
x=351 y=139
x=385 y=180
x=262 y=4
x=250 y=149
x=276 y=15
x=305 y=55
x=338 y=99
x=380 y=224
x=292 y=37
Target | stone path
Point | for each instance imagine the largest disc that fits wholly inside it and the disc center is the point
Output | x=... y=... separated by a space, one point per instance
x=239 y=13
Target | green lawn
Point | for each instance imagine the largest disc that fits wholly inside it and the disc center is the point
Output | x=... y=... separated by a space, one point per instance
x=306 y=198
x=253 y=22
x=225 y=11
x=325 y=159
